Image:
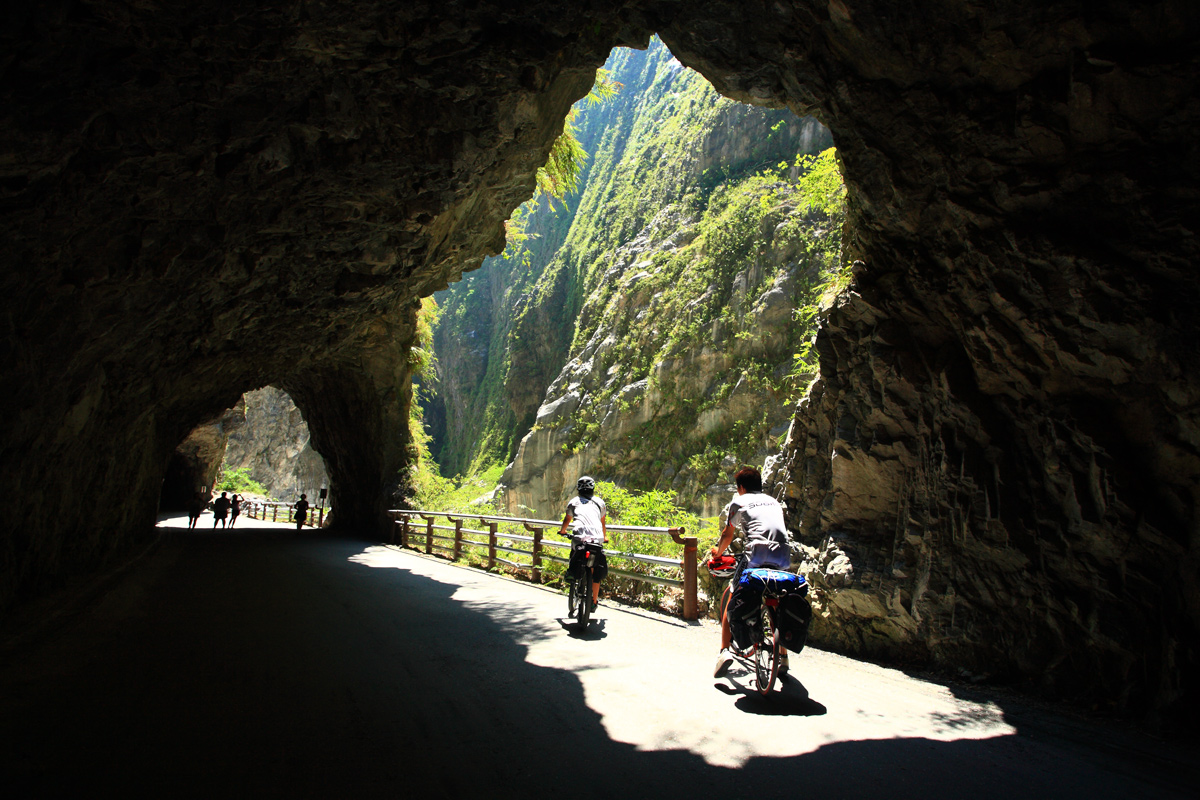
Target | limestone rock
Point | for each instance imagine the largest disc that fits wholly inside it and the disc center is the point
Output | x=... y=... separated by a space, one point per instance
x=274 y=446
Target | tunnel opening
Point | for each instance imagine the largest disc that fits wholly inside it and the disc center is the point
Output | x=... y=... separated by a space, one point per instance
x=261 y=448
x=272 y=453
x=702 y=238
x=241 y=245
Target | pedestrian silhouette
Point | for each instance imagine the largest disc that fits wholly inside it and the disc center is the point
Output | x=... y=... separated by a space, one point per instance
x=220 y=510
x=300 y=512
x=195 y=506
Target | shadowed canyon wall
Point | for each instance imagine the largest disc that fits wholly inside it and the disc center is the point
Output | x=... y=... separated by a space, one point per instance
x=999 y=463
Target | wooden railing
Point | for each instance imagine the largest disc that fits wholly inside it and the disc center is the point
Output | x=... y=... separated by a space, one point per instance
x=281 y=512
x=452 y=539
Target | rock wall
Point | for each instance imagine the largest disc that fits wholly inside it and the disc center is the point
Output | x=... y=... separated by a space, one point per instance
x=200 y=199
x=998 y=467
x=274 y=446
x=652 y=428
x=195 y=464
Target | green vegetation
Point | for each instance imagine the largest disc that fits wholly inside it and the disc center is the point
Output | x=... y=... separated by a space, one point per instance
x=239 y=481
x=691 y=209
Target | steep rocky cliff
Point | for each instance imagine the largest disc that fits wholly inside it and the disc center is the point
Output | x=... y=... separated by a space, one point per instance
x=688 y=366
x=274 y=446
x=671 y=160
x=199 y=199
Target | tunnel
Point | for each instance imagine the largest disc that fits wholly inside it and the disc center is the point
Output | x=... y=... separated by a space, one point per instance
x=201 y=199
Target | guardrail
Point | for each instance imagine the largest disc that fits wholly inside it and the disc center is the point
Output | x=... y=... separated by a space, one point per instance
x=435 y=538
x=281 y=512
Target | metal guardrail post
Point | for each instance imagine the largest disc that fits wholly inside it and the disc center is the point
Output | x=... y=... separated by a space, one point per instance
x=492 y=527
x=691 y=601
x=428 y=534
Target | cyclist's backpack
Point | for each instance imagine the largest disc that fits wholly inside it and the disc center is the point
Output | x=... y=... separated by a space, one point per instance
x=745 y=621
x=793 y=616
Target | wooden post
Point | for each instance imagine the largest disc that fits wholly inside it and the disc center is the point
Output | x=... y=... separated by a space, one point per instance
x=321 y=517
x=428 y=535
x=275 y=512
x=691 y=600
x=403 y=522
x=492 y=526
x=537 y=552
x=457 y=539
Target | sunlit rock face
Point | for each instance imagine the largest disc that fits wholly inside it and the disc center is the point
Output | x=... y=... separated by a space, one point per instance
x=274 y=446
x=199 y=200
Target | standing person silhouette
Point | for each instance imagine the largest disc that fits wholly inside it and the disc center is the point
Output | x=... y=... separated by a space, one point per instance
x=235 y=508
x=220 y=510
x=195 y=506
x=300 y=512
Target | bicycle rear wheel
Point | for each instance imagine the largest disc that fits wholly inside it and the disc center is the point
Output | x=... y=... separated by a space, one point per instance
x=572 y=598
x=585 y=598
x=766 y=655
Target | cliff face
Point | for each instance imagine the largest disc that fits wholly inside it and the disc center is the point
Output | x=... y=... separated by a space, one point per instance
x=673 y=389
x=274 y=445
x=201 y=199
x=637 y=247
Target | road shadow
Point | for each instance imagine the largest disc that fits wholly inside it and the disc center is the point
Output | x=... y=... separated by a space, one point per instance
x=593 y=633
x=238 y=667
x=789 y=698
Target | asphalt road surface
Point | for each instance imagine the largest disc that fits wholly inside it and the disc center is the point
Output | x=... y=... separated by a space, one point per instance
x=258 y=663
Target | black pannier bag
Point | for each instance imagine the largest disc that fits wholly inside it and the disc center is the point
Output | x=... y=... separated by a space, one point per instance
x=792 y=617
x=745 y=619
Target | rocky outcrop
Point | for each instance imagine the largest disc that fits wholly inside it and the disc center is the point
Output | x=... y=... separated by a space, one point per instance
x=196 y=463
x=701 y=408
x=274 y=446
x=200 y=199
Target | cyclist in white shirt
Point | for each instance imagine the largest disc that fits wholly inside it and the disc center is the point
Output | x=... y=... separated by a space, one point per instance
x=588 y=518
x=759 y=517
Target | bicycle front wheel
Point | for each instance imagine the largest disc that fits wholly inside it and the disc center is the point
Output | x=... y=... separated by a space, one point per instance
x=766 y=656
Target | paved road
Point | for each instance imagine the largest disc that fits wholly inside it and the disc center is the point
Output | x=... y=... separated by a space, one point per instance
x=262 y=664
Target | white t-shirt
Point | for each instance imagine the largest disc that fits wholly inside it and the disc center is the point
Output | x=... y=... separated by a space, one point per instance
x=586 y=515
x=760 y=519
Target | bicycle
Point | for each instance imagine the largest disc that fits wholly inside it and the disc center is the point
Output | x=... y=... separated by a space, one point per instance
x=766 y=654
x=579 y=592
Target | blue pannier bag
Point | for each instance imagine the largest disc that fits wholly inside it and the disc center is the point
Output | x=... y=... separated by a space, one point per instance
x=775 y=581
